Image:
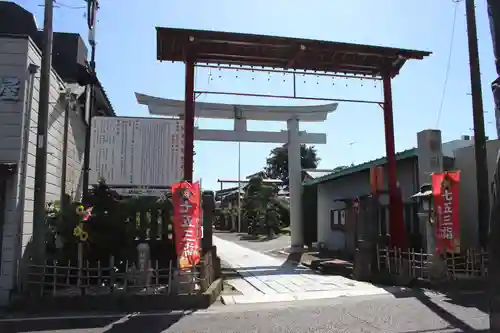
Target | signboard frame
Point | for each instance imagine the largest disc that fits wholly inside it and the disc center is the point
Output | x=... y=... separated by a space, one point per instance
x=136 y=152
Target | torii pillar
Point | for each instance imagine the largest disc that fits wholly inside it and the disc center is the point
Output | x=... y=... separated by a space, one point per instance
x=295 y=185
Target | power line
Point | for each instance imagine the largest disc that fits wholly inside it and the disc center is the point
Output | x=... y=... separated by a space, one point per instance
x=448 y=64
x=63 y=5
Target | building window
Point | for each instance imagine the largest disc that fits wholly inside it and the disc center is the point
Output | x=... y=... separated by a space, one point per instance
x=383 y=221
x=337 y=219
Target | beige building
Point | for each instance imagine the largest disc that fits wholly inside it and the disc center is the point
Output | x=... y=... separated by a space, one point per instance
x=20 y=59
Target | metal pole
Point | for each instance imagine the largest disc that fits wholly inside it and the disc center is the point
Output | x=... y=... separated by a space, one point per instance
x=211 y=92
x=483 y=205
x=239 y=186
x=41 y=151
x=88 y=131
x=64 y=159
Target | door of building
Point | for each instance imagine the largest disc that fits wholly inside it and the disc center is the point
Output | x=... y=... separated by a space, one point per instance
x=6 y=171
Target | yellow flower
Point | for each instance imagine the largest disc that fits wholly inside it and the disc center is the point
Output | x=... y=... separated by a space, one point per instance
x=77 y=231
x=80 y=210
x=84 y=236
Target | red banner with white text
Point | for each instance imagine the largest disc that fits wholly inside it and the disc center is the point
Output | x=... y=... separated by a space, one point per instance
x=186 y=201
x=445 y=190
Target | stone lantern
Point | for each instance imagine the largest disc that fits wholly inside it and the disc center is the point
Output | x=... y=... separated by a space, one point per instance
x=425 y=199
x=425 y=214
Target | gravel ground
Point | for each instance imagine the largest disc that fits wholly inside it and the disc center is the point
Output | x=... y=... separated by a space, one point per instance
x=375 y=314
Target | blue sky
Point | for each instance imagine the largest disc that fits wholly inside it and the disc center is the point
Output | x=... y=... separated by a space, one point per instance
x=126 y=63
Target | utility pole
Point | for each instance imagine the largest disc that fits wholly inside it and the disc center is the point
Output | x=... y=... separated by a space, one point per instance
x=92 y=6
x=483 y=205
x=494 y=16
x=42 y=129
x=494 y=245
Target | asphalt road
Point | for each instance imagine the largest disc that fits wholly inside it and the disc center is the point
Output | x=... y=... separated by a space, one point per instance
x=374 y=314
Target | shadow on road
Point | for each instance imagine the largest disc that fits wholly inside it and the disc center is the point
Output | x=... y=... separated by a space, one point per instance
x=446 y=315
x=478 y=301
x=152 y=323
x=292 y=260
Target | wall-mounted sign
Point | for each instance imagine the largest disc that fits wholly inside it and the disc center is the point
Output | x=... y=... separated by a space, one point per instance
x=136 y=152
x=10 y=88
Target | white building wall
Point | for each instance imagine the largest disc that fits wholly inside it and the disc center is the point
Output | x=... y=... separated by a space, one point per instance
x=76 y=143
x=465 y=161
x=350 y=186
x=13 y=63
x=450 y=146
x=20 y=226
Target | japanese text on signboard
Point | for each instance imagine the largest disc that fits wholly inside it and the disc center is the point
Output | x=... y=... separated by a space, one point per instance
x=186 y=202
x=446 y=213
x=445 y=188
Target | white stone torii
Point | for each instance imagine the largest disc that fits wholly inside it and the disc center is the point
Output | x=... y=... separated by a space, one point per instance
x=241 y=113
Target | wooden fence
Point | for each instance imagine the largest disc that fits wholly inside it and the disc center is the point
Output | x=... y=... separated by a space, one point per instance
x=470 y=264
x=57 y=279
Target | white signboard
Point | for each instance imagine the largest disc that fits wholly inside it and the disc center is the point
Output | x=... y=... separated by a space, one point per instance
x=140 y=191
x=136 y=152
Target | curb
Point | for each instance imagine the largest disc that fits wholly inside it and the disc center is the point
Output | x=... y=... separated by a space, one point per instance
x=314 y=295
x=115 y=303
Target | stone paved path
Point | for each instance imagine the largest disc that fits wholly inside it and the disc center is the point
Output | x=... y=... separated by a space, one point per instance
x=273 y=279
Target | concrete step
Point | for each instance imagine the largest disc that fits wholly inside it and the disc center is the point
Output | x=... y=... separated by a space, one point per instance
x=327 y=265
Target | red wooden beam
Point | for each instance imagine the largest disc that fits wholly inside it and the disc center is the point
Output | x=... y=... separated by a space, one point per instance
x=397 y=228
x=189 y=122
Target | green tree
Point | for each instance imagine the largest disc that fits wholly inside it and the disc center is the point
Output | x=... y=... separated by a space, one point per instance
x=259 y=208
x=340 y=168
x=277 y=162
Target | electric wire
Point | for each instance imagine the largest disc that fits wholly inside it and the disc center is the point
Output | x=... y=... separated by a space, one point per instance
x=63 y=5
x=448 y=65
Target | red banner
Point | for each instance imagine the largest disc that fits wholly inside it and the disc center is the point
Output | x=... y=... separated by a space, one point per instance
x=186 y=201
x=445 y=190
x=377 y=179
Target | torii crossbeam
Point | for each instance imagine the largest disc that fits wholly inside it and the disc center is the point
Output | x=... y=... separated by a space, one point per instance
x=241 y=113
